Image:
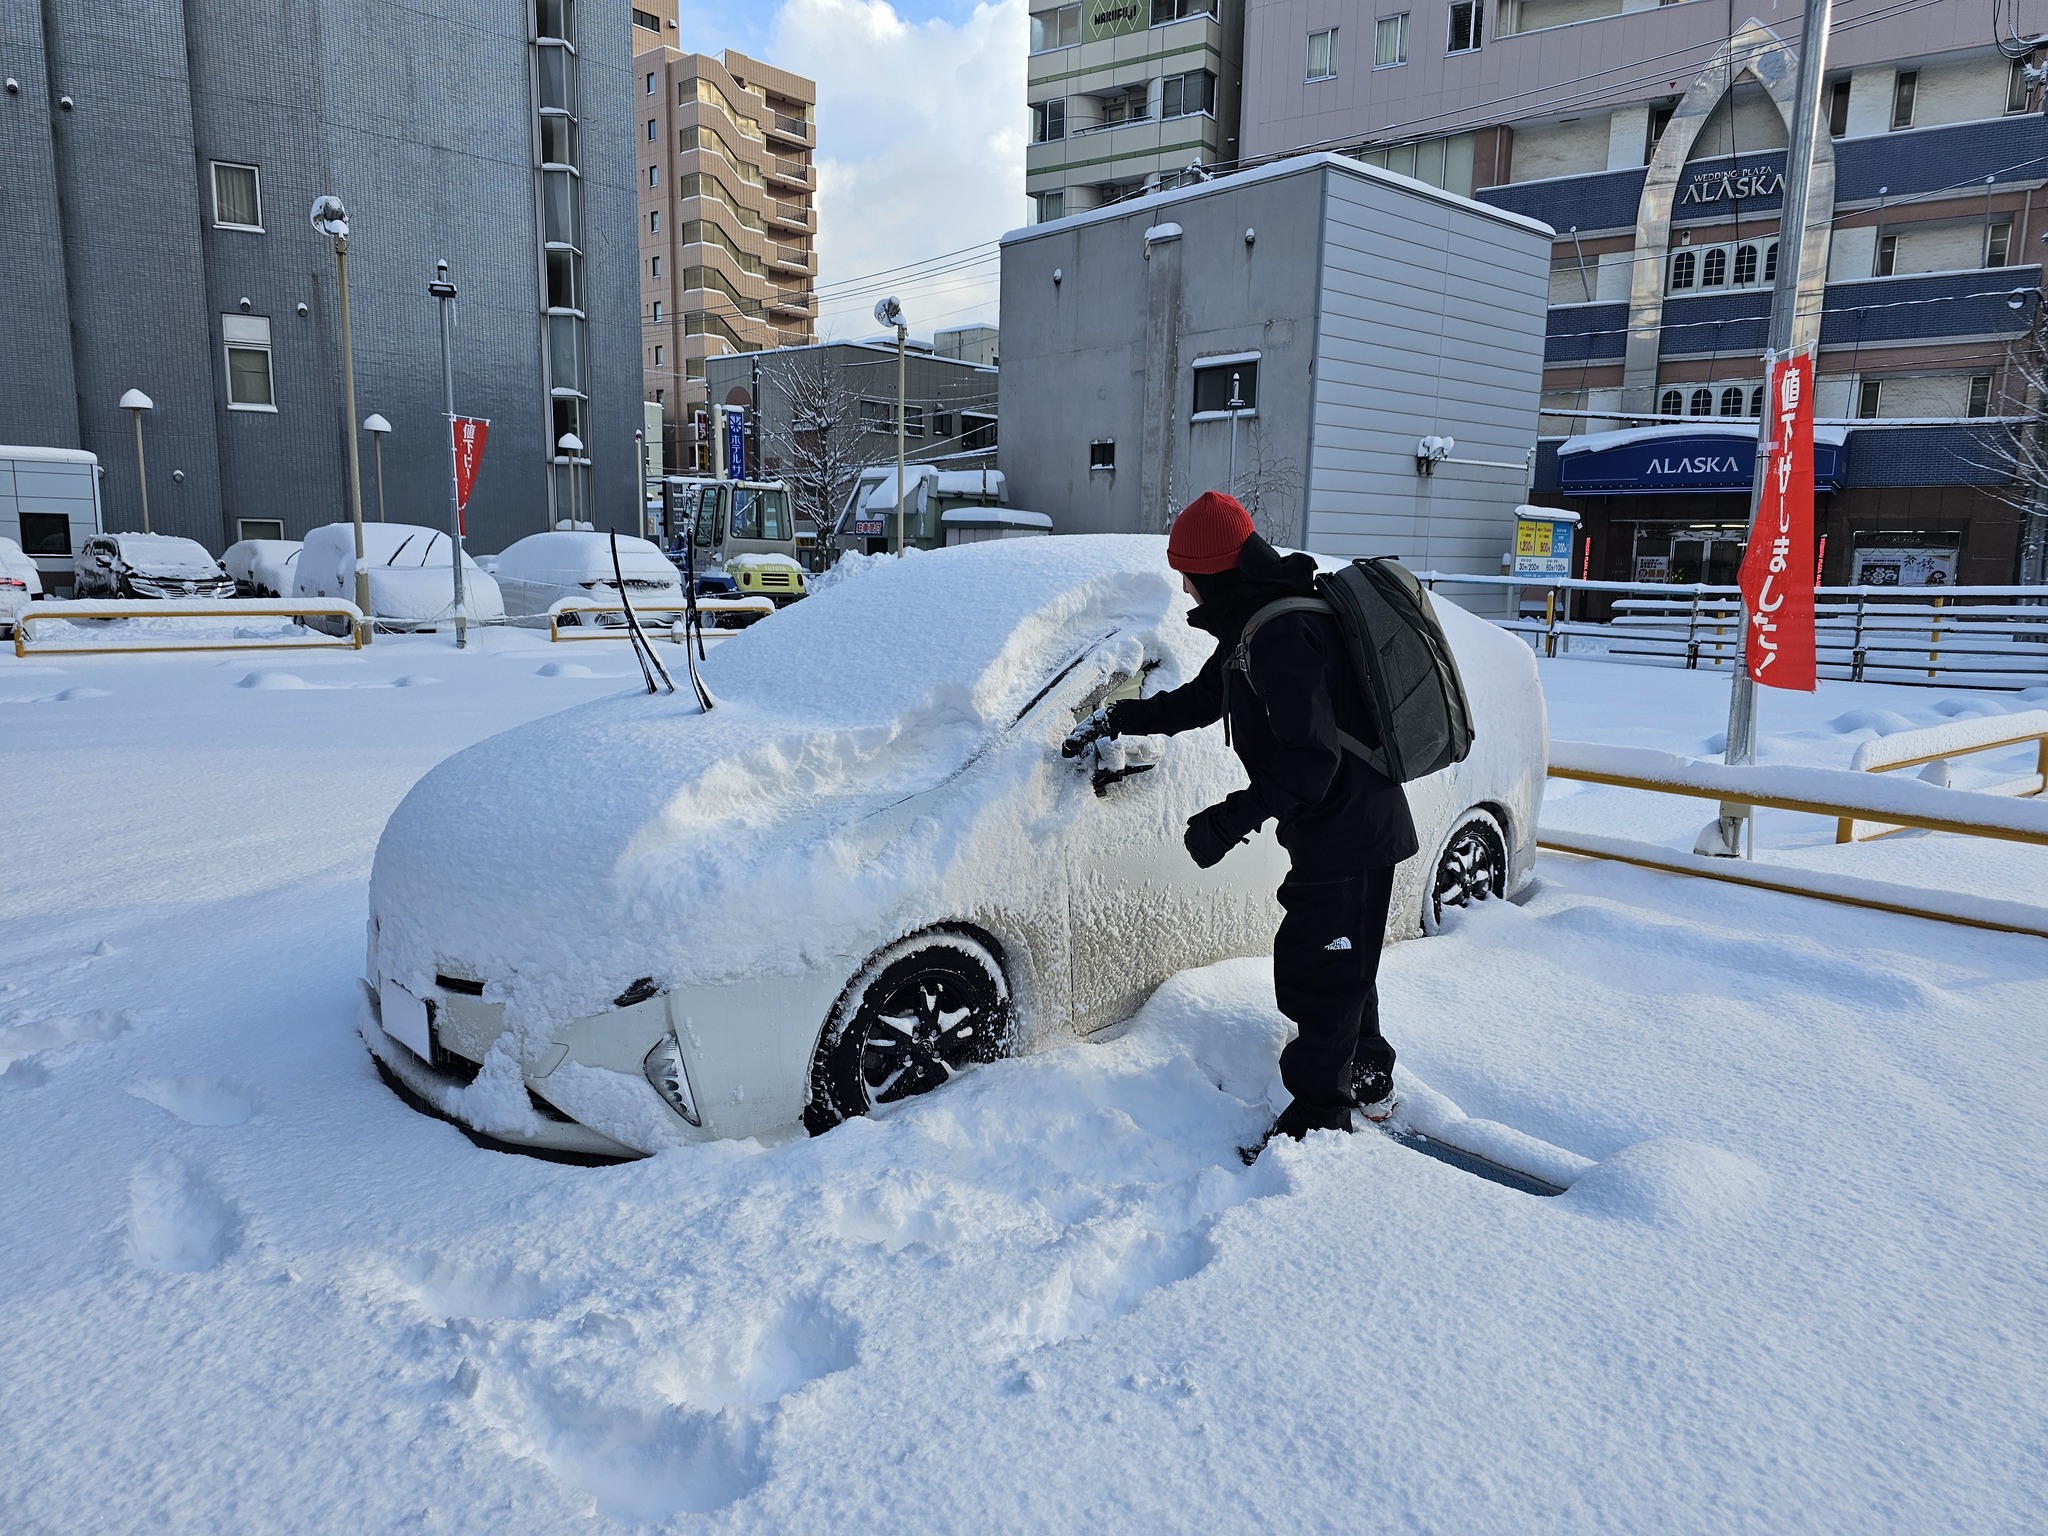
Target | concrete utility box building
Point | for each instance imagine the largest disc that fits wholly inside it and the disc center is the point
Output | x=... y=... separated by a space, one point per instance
x=1358 y=312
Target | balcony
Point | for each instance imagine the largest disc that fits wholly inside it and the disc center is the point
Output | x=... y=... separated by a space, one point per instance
x=788 y=172
x=793 y=303
x=791 y=258
x=790 y=216
x=782 y=125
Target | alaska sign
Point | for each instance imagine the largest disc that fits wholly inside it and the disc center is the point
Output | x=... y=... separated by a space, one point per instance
x=1705 y=467
x=1114 y=18
x=1733 y=185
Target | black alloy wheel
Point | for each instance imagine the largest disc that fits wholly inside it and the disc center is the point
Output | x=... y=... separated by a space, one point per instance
x=1472 y=868
x=919 y=1014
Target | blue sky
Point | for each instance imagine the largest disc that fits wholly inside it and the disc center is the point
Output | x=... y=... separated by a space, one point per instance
x=921 y=129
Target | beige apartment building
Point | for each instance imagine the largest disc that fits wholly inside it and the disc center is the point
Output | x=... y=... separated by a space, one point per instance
x=728 y=221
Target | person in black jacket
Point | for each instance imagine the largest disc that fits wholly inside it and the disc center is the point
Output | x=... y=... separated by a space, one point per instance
x=1344 y=825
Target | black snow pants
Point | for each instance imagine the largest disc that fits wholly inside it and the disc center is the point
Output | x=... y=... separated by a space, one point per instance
x=1326 y=962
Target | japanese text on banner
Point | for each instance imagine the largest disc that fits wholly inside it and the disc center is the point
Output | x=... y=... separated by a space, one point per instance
x=1777 y=576
x=470 y=434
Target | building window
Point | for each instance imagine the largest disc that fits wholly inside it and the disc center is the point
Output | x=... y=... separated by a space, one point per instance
x=657 y=357
x=1756 y=401
x=1887 y=255
x=1771 y=262
x=1869 y=396
x=1998 y=242
x=1464 y=29
x=650 y=85
x=1671 y=403
x=1102 y=454
x=1226 y=386
x=877 y=415
x=1164 y=11
x=1714 y=267
x=1390 y=41
x=247 y=339
x=1188 y=94
x=646 y=20
x=1745 y=265
x=654 y=266
x=1048 y=120
x=942 y=424
x=658 y=395
x=1050 y=205
x=1684 y=264
x=654 y=222
x=654 y=175
x=657 y=310
x=2017 y=91
x=236 y=201
x=1322 y=55
x=1980 y=395
x=259 y=528
x=1133 y=104
x=1731 y=401
x=1702 y=402
x=913 y=421
x=1838 y=109
x=650 y=130
x=1660 y=119
x=1904 y=88
x=1058 y=28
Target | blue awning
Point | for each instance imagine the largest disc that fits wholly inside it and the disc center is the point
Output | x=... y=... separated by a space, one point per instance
x=1643 y=461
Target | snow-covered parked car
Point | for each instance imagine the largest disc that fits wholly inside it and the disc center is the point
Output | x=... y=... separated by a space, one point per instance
x=262 y=567
x=412 y=579
x=147 y=565
x=542 y=569
x=20 y=583
x=635 y=923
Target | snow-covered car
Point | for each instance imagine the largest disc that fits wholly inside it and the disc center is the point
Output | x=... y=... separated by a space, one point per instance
x=636 y=923
x=147 y=565
x=542 y=569
x=262 y=567
x=20 y=583
x=412 y=578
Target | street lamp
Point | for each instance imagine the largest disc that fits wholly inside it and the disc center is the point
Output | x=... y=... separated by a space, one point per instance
x=377 y=426
x=571 y=445
x=1236 y=405
x=331 y=219
x=640 y=447
x=889 y=312
x=443 y=292
x=135 y=400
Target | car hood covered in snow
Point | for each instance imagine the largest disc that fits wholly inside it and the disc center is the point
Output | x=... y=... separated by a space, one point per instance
x=636 y=836
x=165 y=556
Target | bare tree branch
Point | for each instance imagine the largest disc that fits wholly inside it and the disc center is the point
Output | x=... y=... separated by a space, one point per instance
x=816 y=435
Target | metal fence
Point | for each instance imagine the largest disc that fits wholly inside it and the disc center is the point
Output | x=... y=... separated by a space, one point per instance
x=1949 y=637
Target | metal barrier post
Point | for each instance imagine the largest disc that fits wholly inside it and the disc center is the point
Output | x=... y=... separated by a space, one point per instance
x=1857 y=654
x=1550 y=621
x=1934 y=639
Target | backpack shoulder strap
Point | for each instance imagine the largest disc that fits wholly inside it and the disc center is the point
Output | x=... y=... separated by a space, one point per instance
x=1240 y=661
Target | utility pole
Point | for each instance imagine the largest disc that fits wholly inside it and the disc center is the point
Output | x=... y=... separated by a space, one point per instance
x=330 y=218
x=444 y=296
x=1724 y=837
x=136 y=402
x=890 y=312
x=1236 y=405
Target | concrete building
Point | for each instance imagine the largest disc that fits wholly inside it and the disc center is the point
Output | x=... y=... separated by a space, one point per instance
x=727 y=223
x=160 y=158
x=1353 y=313
x=1126 y=96
x=1652 y=139
x=968 y=343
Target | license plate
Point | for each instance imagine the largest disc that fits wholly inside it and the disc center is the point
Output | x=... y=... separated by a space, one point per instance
x=405 y=1020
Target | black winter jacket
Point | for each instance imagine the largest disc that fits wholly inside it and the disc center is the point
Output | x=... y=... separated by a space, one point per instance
x=1337 y=815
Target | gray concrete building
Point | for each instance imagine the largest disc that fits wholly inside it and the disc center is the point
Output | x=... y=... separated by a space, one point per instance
x=159 y=159
x=1352 y=312
x=1653 y=139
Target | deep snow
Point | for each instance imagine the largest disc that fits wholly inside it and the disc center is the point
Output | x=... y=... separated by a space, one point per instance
x=243 y=1288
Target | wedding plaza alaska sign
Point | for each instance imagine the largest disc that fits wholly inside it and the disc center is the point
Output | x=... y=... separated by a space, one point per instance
x=1706 y=185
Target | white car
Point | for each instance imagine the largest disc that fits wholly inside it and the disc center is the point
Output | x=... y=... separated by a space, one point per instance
x=20 y=583
x=542 y=569
x=412 y=577
x=263 y=567
x=634 y=924
x=147 y=565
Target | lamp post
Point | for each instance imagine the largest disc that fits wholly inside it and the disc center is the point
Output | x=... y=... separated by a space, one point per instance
x=137 y=402
x=640 y=451
x=377 y=426
x=331 y=219
x=1236 y=405
x=444 y=296
x=571 y=445
x=889 y=312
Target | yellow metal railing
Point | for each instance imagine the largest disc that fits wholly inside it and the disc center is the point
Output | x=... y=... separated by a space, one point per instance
x=712 y=608
x=39 y=615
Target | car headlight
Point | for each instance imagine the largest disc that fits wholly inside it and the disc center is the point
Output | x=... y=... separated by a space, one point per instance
x=665 y=1070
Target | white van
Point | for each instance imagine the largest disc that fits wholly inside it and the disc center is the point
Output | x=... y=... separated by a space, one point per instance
x=49 y=505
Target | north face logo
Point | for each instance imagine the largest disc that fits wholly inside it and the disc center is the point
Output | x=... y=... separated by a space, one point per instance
x=1340 y=942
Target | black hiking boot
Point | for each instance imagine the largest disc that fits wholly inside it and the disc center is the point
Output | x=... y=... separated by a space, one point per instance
x=1373 y=1092
x=1295 y=1122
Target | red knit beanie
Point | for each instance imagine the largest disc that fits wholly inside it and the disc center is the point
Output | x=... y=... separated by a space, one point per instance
x=1208 y=535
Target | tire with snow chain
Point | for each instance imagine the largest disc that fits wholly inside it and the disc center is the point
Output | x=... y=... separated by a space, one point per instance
x=920 y=1012
x=1471 y=867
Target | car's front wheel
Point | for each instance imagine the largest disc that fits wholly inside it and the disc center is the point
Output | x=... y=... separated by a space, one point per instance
x=920 y=1012
x=1471 y=867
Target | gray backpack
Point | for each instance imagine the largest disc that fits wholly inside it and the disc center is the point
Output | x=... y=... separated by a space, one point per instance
x=1406 y=673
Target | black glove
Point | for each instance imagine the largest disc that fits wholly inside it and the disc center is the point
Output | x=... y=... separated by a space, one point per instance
x=1212 y=832
x=1098 y=725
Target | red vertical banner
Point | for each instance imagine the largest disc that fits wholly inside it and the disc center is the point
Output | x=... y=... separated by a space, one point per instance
x=1777 y=568
x=470 y=434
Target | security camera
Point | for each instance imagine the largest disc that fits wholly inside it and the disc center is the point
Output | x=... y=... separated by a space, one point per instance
x=303 y=310
x=177 y=477
x=66 y=103
x=1432 y=451
x=13 y=86
x=244 y=305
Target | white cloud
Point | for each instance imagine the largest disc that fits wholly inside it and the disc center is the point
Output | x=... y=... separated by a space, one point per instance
x=920 y=150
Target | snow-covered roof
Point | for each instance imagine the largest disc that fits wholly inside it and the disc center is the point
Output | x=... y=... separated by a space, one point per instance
x=1741 y=428
x=1294 y=165
x=48 y=455
x=995 y=517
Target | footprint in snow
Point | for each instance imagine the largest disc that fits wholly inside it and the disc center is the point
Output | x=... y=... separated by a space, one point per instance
x=271 y=681
x=199 y=1100
x=563 y=669
x=177 y=1221
x=71 y=695
x=28 y=1040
